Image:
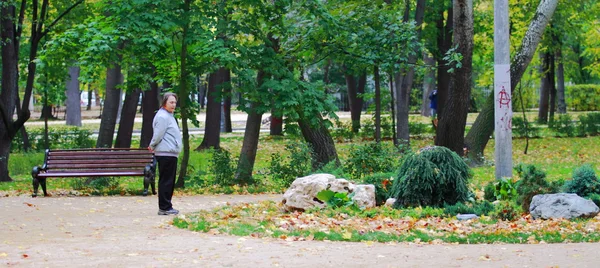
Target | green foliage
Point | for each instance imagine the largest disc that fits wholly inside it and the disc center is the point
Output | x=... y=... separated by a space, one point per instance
x=369 y=158
x=583 y=97
x=477 y=208
x=595 y=198
x=433 y=176
x=222 y=166
x=589 y=124
x=520 y=129
x=299 y=164
x=533 y=182
x=584 y=182
x=336 y=200
x=507 y=211
x=489 y=191
x=564 y=125
x=95 y=185
x=504 y=189
x=382 y=183
x=58 y=138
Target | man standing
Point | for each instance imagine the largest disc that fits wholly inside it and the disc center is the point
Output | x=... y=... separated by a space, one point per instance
x=166 y=145
x=433 y=106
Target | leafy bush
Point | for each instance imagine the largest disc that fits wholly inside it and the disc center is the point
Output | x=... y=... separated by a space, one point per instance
x=521 y=130
x=58 y=138
x=223 y=167
x=489 y=192
x=478 y=208
x=369 y=158
x=382 y=183
x=583 y=97
x=595 y=198
x=506 y=210
x=433 y=176
x=336 y=200
x=584 y=182
x=299 y=164
x=589 y=124
x=504 y=189
x=342 y=131
x=564 y=125
x=532 y=182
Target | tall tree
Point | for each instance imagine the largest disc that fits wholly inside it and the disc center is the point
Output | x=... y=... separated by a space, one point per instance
x=356 y=88
x=479 y=134
x=73 y=113
x=112 y=100
x=128 y=112
x=11 y=28
x=451 y=126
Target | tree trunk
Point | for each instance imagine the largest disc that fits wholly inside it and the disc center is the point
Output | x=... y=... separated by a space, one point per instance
x=560 y=77
x=319 y=138
x=47 y=112
x=112 y=99
x=552 y=82
x=480 y=132
x=444 y=42
x=428 y=83
x=243 y=175
x=125 y=131
x=377 y=104
x=89 y=99
x=73 y=113
x=404 y=79
x=545 y=88
x=451 y=130
x=276 y=126
x=150 y=105
x=355 y=90
x=213 y=110
x=227 y=91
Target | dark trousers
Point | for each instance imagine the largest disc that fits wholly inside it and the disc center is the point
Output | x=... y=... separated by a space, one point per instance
x=167 y=168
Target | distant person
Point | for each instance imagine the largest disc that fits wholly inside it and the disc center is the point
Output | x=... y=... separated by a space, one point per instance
x=166 y=144
x=433 y=106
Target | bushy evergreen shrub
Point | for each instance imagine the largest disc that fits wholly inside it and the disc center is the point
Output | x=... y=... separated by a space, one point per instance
x=584 y=182
x=433 y=176
x=533 y=182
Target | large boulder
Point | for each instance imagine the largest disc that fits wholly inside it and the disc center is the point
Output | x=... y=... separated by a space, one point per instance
x=552 y=206
x=302 y=194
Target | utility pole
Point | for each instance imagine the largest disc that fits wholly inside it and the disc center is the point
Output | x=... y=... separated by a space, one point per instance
x=502 y=91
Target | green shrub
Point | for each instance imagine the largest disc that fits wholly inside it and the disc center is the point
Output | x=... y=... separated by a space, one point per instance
x=222 y=167
x=595 y=198
x=478 y=208
x=299 y=164
x=67 y=137
x=563 y=126
x=483 y=208
x=369 y=158
x=506 y=210
x=433 y=176
x=342 y=131
x=489 y=191
x=520 y=130
x=583 y=97
x=532 y=182
x=584 y=182
x=504 y=189
x=589 y=124
x=336 y=200
x=382 y=183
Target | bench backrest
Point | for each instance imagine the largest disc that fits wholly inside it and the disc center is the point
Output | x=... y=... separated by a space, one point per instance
x=97 y=162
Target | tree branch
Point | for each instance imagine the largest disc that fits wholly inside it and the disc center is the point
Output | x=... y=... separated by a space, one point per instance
x=59 y=18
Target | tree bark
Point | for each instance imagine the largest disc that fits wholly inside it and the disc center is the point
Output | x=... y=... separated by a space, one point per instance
x=213 y=110
x=428 y=83
x=150 y=105
x=319 y=138
x=552 y=82
x=73 y=113
x=404 y=79
x=227 y=91
x=444 y=43
x=477 y=138
x=356 y=87
x=125 y=131
x=560 y=83
x=112 y=99
x=377 y=104
x=545 y=88
x=451 y=129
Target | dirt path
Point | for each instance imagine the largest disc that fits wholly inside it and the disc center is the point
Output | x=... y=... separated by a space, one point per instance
x=126 y=232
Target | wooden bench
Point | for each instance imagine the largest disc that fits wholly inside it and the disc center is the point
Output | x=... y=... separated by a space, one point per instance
x=95 y=163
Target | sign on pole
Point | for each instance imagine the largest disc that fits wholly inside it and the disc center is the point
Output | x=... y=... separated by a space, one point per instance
x=502 y=91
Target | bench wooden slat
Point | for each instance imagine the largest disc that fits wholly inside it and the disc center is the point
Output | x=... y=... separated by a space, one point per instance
x=100 y=165
x=92 y=173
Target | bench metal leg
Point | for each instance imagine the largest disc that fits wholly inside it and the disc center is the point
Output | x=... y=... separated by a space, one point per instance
x=43 y=183
x=36 y=185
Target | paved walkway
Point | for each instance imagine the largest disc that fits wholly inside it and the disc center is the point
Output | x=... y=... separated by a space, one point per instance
x=126 y=232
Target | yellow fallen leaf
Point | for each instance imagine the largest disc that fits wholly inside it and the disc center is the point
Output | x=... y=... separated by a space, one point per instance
x=347 y=235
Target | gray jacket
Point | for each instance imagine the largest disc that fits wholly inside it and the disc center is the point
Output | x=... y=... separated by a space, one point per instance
x=166 y=140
